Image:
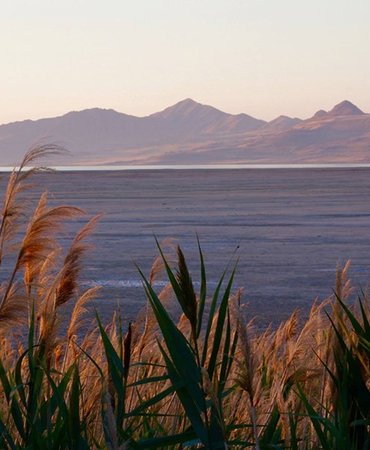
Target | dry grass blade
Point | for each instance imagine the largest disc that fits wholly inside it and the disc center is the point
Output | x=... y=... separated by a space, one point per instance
x=186 y=295
x=150 y=327
x=158 y=267
x=247 y=363
x=127 y=350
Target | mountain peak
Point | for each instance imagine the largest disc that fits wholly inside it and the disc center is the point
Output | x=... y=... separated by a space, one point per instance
x=345 y=108
x=187 y=101
x=187 y=107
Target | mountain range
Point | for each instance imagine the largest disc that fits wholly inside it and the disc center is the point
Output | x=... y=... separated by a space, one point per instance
x=192 y=133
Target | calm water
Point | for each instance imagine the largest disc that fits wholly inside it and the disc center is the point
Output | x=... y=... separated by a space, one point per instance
x=291 y=226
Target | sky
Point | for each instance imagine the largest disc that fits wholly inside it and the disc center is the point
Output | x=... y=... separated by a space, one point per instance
x=261 y=57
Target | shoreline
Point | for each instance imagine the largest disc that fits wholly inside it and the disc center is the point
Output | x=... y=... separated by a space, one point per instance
x=117 y=168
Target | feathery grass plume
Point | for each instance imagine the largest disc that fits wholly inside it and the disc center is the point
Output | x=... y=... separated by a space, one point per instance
x=13 y=205
x=73 y=263
x=13 y=209
x=39 y=240
x=76 y=321
x=246 y=374
x=13 y=309
x=38 y=243
x=342 y=283
x=63 y=289
x=341 y=293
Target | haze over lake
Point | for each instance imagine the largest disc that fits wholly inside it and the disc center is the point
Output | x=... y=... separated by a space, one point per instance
x=291 y=226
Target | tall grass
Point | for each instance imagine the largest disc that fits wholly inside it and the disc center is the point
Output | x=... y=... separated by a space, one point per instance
x=203 y=379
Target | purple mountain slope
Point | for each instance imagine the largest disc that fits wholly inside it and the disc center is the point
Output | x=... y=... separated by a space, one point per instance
x=191 y=133
x=101 y=134
x=282 y=123
x=345 y=108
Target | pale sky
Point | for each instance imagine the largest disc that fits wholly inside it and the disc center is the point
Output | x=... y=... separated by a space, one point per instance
x=261 y=57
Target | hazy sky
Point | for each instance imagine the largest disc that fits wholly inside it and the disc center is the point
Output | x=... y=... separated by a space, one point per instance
x=262 y=57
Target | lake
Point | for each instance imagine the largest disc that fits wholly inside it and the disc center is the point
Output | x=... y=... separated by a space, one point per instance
x=291 y=228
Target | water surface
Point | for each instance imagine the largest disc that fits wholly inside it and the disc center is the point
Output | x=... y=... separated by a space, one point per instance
x=291 y=226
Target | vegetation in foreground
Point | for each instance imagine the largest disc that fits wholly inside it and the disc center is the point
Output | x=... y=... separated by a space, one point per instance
x=204 y=380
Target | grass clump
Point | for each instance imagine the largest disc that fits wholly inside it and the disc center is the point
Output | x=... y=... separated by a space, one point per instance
x=205 y=379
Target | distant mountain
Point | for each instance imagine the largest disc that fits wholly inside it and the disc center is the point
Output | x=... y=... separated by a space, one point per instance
x=104 y=135
x=189 y=132
x=345 y=108
x=189 y=116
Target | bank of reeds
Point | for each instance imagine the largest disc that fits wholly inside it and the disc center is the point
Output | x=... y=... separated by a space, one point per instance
x=206 y=379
